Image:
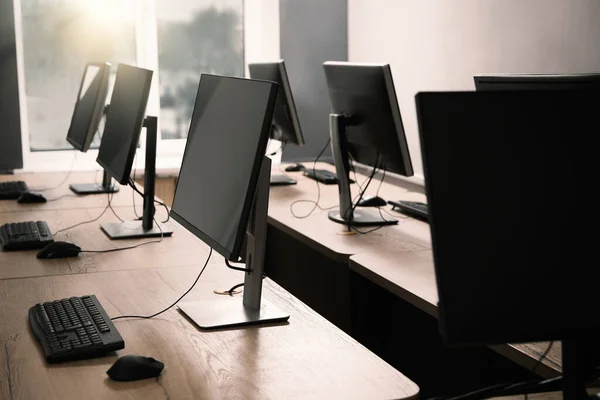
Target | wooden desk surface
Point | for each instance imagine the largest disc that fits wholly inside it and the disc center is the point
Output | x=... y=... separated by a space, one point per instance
x=324 y=235
x=410 y=275
x=62 y=197
x=306 y=358
x=181 y=249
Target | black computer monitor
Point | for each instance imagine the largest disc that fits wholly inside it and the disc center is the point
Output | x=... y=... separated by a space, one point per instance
x=489 y=82
x=124 y=121
x=510 y=182
x=222 y=192
x=89 y=109
x=286 y=125
x=365 y=122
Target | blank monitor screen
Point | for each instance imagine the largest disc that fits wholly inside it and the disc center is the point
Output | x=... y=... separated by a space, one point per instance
x=491 y=82
x=124 y=121
x=513 y=258
x=285 y=116
x=225 y=146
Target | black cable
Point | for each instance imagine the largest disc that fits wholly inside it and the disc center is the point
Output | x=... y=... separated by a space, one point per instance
x=133 y=179
x=82 y=223
x=63 y=196
x=362 y=193
x=135 y=188
x=315 y=203
x=236 y=268
x=176 y=301
x=239 y=285
x=539 y=362
x=63 y=181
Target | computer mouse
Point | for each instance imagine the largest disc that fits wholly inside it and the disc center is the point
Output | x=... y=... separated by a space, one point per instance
x=295 y=168
x=372 y=201
x=132 y=368
x=59 y=250
x=28 y=197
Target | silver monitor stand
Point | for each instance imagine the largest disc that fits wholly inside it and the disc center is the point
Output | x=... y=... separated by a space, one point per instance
x=226 y=311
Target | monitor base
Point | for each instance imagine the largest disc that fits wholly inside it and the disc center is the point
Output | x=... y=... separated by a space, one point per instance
x=134 y=230
x=92 y=188
x=281 y=180
x=362 y=217
x=228 y=312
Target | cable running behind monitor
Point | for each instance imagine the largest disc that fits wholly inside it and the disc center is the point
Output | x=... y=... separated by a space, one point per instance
x=286 y=125
x=124 y=122
x=365 y=123
x=514 y=261
x=85 y=121
x=222 y=193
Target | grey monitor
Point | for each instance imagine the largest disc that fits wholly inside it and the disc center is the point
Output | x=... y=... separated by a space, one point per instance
x=223 y=180
x=124 y=121
x=85 y=121
x=513 y=260
x=366 y=124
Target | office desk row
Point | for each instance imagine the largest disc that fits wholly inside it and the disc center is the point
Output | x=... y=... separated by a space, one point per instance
x=308 y=256
x=308 y=357
x=396 y=258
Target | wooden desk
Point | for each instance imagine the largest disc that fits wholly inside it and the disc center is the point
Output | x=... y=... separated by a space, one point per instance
x=66 y=199
x=323 y=235
x=181 y=249
x=305 y=358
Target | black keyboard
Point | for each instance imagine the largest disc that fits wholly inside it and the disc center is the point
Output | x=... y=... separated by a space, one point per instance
x=415 y=209
x=28 y=235
x=12 y=190
x=323 y=176
x=73 y=329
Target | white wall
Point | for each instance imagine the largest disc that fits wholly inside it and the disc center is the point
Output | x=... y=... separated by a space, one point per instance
x=441 y=44
x=261 y=31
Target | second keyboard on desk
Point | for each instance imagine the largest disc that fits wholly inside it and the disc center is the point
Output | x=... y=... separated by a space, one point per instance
x=12 y=190
x=28 y=235
x=73 y=329
x=414 y=209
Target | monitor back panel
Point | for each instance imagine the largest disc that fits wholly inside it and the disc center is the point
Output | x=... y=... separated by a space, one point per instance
x=510 y=181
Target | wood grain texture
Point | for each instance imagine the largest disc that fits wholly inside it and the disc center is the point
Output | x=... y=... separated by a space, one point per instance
x=307 y=358
x=66 y=199
x=410 y=275
x=324 y=235
x=181 y=249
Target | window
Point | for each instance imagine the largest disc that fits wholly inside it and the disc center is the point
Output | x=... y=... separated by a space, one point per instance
x=59 y=38
x=179 y=40
x=194 y=37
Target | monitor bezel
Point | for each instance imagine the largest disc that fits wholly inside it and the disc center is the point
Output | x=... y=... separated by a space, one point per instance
x=233 y=254
x=98 y=110
x=140 y=115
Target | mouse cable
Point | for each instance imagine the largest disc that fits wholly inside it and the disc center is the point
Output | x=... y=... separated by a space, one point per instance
x=66 y=178
x=128 y=247
x=176 y=301
x=315 y=203
x=135 y=188
x=63 y=196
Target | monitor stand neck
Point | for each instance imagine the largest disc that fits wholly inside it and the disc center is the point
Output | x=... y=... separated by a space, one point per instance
x=146 y=228
x=347 y=214
x=222 y=311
